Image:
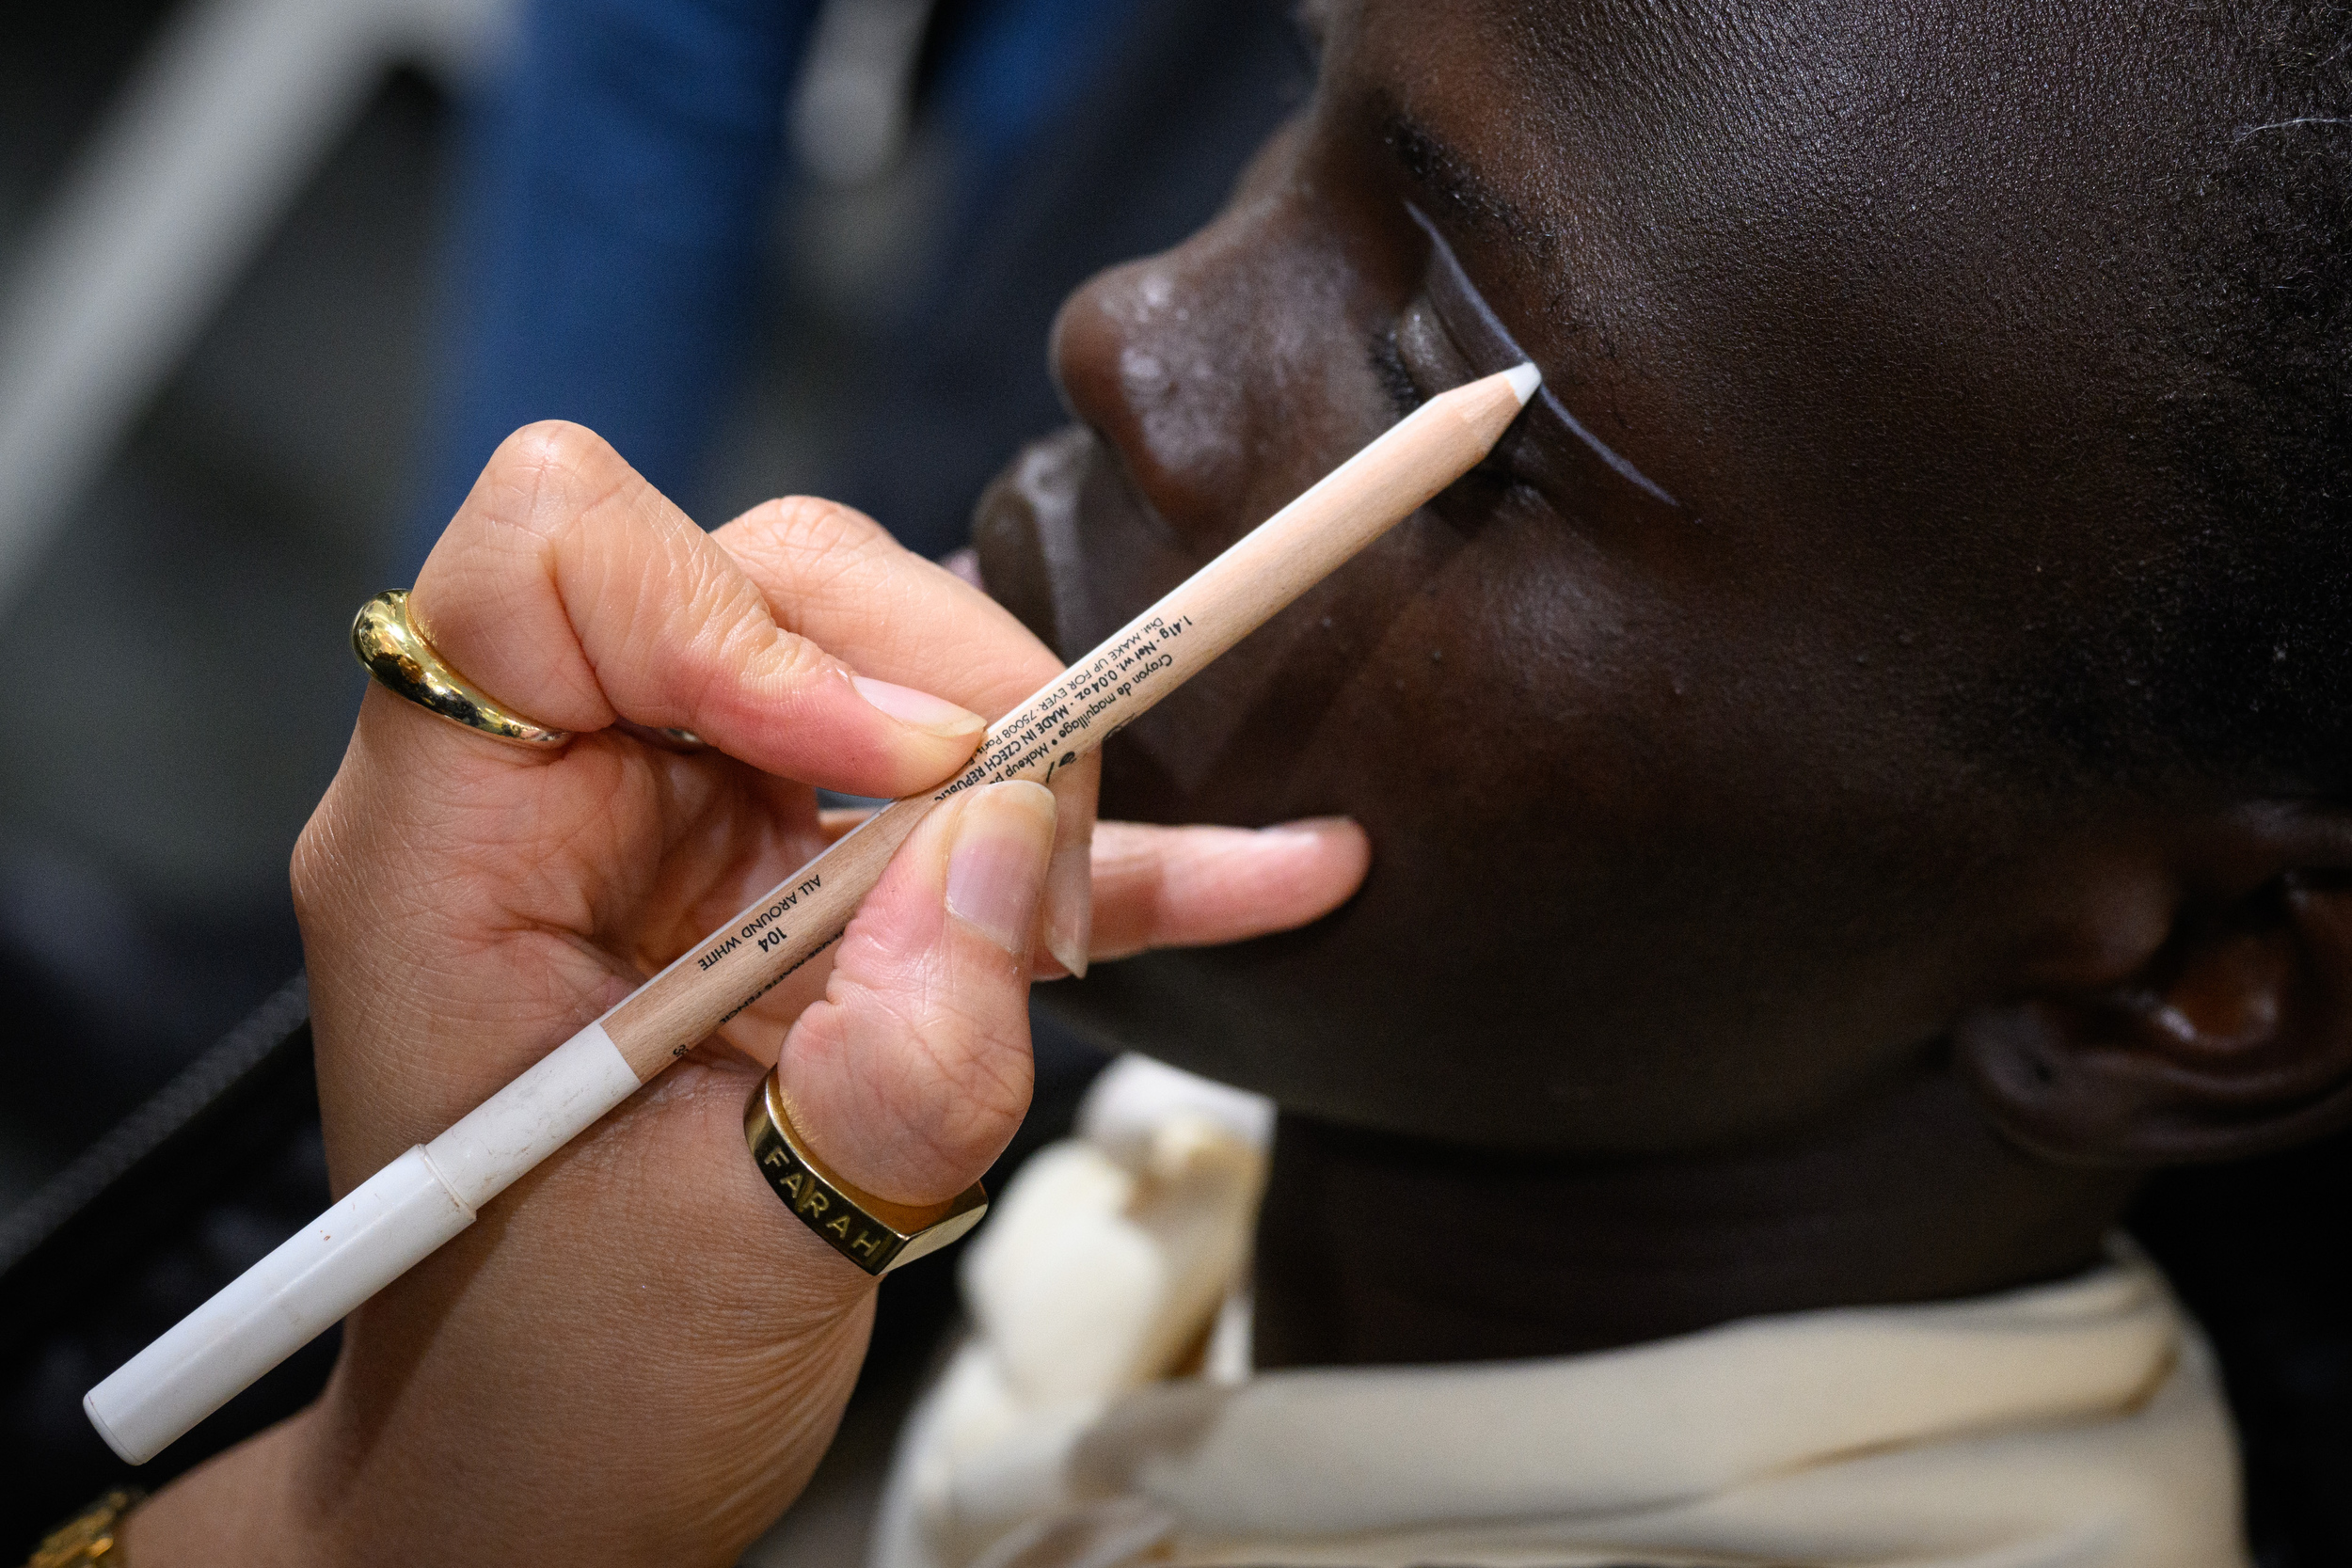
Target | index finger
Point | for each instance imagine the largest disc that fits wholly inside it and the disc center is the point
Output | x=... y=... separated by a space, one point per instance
x=835 y=577
x=572 y=590
x=838 y=578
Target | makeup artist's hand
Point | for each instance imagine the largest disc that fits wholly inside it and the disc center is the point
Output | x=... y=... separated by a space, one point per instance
x=636 y=1355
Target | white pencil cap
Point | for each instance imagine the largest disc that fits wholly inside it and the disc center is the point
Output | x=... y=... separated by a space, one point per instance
x=383 y=1227
x=387 y=1225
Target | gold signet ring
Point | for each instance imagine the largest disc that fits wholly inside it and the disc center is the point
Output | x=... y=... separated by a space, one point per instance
x=872 y=1233
x=402 y=661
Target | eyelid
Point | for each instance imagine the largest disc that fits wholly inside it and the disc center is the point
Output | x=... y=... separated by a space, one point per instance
x=1489 y=344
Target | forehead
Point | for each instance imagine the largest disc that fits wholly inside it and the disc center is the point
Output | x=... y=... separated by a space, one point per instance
x=1850 y=272
x=1701 y=102
x=1839 y=184
x=1646 y=55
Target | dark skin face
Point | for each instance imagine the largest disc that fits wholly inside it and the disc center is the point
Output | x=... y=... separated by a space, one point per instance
x=1735 y=886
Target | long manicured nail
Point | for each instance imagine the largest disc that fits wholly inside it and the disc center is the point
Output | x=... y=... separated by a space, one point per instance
x=996 y=864
x=919 y=709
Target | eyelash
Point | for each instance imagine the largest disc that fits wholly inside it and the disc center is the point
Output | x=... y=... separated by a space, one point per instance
x=1388 y=363
x=1405 y=395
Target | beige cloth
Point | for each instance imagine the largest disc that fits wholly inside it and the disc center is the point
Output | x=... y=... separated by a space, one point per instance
x=2075 y=1425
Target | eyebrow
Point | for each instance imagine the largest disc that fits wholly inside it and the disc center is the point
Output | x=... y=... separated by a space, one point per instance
x=1454 y=186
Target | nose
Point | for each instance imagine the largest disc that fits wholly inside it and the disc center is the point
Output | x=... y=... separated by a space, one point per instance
x=1153 y=356
x=1211 y=367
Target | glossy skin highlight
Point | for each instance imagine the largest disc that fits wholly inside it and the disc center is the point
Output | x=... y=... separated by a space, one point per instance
x=1706 y=814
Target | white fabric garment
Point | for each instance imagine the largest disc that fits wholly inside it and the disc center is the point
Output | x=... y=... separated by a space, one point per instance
x=2074 y=1425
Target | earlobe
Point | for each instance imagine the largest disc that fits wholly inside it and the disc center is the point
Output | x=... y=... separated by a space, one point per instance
x=2233 y=1039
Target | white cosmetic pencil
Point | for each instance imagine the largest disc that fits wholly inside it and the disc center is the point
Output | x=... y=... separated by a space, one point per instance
x=401 y=1214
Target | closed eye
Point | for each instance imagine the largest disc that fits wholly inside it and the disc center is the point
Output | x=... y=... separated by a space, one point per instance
x=1472 y=323
x=1395 y=376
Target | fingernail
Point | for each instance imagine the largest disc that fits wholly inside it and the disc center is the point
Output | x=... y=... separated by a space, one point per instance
x=1070 y=906
x=1070 y=876
x=925 y=712
x=1306 y=830
x=965 y=564
x=997 y=868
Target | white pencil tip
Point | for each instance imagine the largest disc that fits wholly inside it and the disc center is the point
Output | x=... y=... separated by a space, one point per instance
x=1524 y=380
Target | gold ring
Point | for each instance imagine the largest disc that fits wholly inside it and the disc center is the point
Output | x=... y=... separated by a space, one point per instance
x=874 y=1233
x=396 y=654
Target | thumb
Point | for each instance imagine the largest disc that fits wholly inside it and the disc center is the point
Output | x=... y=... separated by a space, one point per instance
x=914 y=1072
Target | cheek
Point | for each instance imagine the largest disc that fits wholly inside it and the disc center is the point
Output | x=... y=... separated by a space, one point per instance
x=1622 y=859
x=1442 y=662
x=1504 y=704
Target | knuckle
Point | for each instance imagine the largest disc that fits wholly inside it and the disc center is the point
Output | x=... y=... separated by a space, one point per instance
x=308 y=873
x=547 y=477
x=817 y=543
x=323 y=872
x=813 y=526
x=794 y=661
x=551 y=446
x=720 y=626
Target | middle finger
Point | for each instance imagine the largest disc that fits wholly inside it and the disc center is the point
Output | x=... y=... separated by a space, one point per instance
x=835 y=577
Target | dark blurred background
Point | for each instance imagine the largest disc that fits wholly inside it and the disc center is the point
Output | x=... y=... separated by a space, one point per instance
x=276 y=275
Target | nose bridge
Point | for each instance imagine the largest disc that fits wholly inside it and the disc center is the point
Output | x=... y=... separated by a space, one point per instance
x=1178 y=358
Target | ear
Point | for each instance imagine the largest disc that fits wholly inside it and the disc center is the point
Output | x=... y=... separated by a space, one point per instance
x=2228 y=1034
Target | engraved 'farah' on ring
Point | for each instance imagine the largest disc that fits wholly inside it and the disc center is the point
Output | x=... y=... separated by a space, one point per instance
x=397 y=655
x=871 y=1232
